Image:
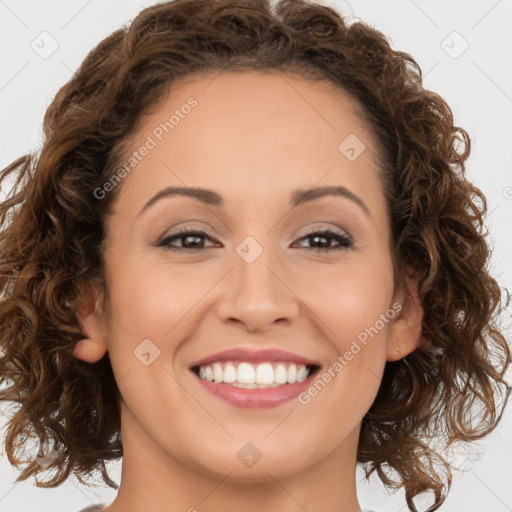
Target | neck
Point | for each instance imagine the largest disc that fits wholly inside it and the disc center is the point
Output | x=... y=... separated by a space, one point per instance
x=153 y=479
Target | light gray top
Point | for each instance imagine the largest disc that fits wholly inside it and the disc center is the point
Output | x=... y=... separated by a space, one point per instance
x=97 y=508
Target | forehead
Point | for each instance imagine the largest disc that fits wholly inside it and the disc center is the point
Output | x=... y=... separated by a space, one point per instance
x=251 y=131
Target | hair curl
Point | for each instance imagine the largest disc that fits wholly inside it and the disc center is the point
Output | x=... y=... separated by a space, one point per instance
x=52 y=232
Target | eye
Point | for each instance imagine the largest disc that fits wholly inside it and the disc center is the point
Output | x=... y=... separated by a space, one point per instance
x=325 y=237
x=191 y=239
x=194 y=240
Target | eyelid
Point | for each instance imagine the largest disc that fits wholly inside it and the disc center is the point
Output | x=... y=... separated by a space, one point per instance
x=178 y=228
x=309 y=229
x=319 y=226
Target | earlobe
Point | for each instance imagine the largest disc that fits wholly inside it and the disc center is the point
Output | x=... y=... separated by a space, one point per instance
x=88 y=312
x=404 y=333
x=89 y=351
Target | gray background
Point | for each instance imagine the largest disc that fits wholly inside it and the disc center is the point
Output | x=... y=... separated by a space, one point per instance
x=476 y=83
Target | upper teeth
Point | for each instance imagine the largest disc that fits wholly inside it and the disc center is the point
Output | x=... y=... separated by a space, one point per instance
x=247 y=375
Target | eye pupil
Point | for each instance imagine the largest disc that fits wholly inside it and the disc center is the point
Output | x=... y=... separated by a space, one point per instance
x=321 y=237
x=197 y=240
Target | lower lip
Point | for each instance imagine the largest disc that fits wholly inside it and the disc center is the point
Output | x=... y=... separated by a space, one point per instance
x=256 y=398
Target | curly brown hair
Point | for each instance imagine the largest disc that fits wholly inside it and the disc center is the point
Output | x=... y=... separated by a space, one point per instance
x=52 y=229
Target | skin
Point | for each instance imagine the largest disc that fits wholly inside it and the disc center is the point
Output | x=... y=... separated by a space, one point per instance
x=253 y=138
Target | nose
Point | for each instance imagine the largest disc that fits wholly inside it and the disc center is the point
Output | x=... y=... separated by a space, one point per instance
x=257 y=295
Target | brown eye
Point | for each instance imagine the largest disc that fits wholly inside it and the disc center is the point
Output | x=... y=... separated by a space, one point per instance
x=325 y=237
x=193 y=240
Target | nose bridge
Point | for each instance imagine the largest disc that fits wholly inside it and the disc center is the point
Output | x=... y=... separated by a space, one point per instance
x=255 y=293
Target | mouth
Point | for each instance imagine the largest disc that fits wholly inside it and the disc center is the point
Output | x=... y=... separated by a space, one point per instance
x=246 y=375
x=251 y=379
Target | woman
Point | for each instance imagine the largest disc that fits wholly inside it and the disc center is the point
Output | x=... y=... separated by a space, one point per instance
x=245 y=259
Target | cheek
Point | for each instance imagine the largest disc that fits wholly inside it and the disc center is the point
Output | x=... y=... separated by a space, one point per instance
x=157 y=301
x=355 y=304
x=359 y=306
x=351 y=297
x=347 y=386
x=148 y=299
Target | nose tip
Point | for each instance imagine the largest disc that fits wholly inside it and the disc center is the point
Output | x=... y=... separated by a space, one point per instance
x=256 y=313
x=257 y=323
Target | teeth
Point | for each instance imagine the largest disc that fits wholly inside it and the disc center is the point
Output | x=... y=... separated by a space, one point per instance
x=292 y=374
x=280 y=374
x=229 y=373
x=218 y=374
x=264 y=374
x=247 y=375
x=302 y=373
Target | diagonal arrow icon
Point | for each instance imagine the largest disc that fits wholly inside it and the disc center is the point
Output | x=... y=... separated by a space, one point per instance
x=146 y=352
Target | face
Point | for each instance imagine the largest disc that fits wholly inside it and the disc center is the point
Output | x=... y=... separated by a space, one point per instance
x=263 y=269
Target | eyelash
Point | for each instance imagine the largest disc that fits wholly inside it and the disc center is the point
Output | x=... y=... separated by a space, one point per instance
x=344 y=240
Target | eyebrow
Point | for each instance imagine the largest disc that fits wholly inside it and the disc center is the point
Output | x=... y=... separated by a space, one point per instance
x=298 y=197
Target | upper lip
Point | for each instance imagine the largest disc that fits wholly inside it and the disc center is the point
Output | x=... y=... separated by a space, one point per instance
x=254 y=356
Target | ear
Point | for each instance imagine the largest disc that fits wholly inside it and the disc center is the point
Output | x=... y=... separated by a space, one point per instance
x=404 y=332
x=88 y=311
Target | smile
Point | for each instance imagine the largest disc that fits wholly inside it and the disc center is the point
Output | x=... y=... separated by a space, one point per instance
x=254 y=378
